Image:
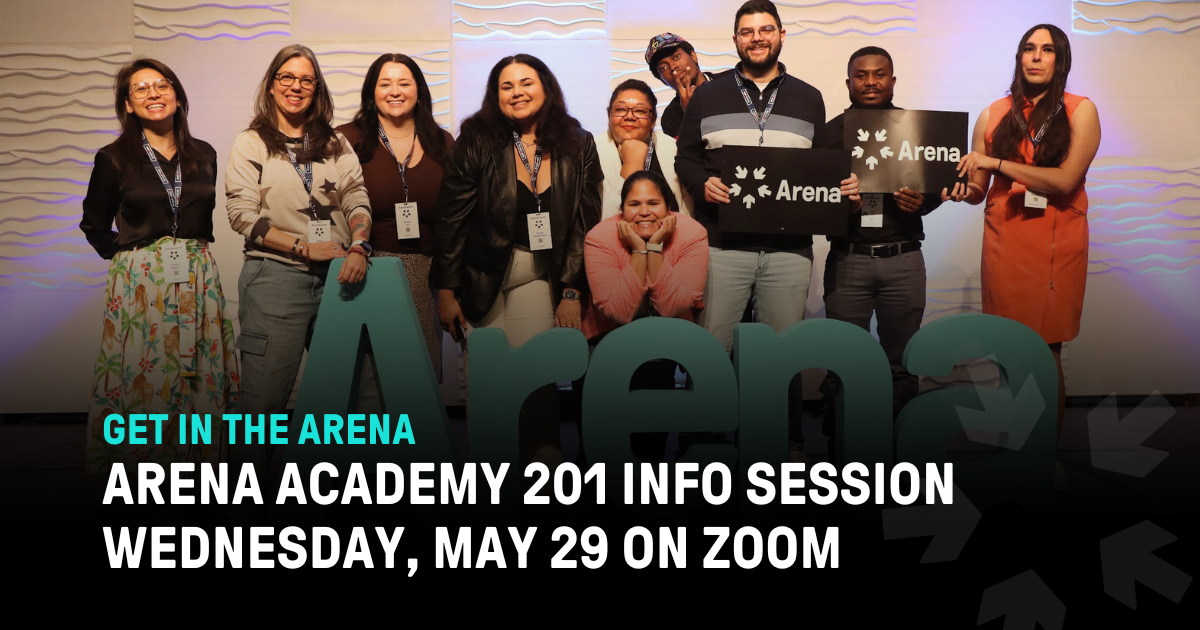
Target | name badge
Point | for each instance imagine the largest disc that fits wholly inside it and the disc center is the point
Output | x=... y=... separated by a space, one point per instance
x=539 y=231
x=320 y=231
x=872 y=210
x=406 y=221
x=1034 y=200
x=175 y=262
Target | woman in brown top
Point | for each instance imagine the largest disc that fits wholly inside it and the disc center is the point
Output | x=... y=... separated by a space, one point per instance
x=402 y=150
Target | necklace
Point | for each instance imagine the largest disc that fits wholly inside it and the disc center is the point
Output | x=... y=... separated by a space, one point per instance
x=529 y=144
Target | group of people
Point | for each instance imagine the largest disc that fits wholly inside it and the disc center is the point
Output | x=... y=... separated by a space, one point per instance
x=526 y=221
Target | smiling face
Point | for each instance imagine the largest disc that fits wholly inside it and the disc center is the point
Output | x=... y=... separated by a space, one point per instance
x=871 y=81
x=395 y=91
x=156 y=107
x=679 y=63
x=1037 y=58
x=521 y=95
x=630 y=126
x=645 y=208
x=758 y=50
x=292 y=101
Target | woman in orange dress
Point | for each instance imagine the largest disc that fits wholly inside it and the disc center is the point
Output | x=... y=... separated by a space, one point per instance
x=1038 y=144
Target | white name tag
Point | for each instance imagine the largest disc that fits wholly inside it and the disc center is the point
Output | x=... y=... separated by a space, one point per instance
x=320 y=231
x=872 y=210
x=175 y=262
x=406 y=221
x=1034 y=200
x=539 y=231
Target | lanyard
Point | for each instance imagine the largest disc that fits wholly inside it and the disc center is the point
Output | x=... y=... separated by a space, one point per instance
x=649 y=154
x=305 y=175
x=172 y=195
x=403 y=166
x=533 y=172
x=1041 y=132
x=760 y=121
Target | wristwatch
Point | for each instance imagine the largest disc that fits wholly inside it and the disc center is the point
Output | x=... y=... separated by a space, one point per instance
x=654 y=247
x=366 y=247
x=570 y=294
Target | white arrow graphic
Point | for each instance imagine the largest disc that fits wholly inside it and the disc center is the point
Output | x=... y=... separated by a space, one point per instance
x=1117 y=446
x=863 y=136
x=764 y=191
x=760 y=172
x=740 y=172
x=749 y=199
x=1023 y=601
x=871 y=162
x=1015 y=416
x=886 y=152
x=735 y=190
x=881 y=135
x=1125 y=557
x=857 y=152
x=950 y=526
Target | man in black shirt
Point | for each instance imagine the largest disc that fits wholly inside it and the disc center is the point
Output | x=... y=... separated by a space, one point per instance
x=673 y=60
x=878 y=266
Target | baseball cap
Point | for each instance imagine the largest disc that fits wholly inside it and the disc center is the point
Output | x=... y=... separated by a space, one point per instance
x=661 y=45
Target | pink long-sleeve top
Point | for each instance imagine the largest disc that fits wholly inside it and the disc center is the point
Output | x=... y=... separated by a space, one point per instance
x=617 y=296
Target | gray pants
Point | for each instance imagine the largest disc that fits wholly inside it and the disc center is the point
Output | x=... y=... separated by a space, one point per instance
x=894 y=290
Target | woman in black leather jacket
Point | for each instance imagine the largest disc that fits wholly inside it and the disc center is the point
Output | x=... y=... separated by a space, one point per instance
x=522 y=189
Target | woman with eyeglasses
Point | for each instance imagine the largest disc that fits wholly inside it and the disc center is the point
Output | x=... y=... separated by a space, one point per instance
x=633 y=145
x=167 y=346
x=519 y=195
x=403 y=153
x=294 y=189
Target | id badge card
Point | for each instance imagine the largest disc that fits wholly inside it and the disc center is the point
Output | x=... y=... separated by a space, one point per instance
x=1034 y=200
x=872 y=210
x=175 y=262
x=320 y=231
x=406 y=221
x=539 y=231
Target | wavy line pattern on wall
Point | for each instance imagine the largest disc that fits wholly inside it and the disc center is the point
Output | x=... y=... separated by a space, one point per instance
x=345 y=68
x=627 y=60
x=835 y=18
x=528 y=19
x=162 y=20
x=1137 y=17
x=56 y=111
x=1144 y=216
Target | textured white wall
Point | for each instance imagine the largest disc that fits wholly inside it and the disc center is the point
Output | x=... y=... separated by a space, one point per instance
x=1136 y=61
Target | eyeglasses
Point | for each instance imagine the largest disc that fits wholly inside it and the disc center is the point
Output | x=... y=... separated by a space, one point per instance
x=286 y=80
x=141 y=90
x=621 y=112
x=765 y=32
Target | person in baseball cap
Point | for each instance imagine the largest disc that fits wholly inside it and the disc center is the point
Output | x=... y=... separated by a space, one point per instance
x=673 y=60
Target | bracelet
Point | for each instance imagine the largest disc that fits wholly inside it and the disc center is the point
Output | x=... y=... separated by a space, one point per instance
x=361 y=252
x=306 y=258
x=641 y=252
x=294 y=245
x=999 y=165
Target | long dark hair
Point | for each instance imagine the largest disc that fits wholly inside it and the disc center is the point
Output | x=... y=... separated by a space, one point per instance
x=650 y=176
x=129 y=143
x=432 y=137
x=1006 y=143
x=321 y=136
x=557 y=130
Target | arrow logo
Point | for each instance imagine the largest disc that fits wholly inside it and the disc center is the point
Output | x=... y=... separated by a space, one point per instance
x=739 y=172
x=857 y=152
x=1125 y=558
x=749 y=199
x=881 y=135
x=1117 y=446
x=886 y=152
x=764 y=191
x=950 y=525
x=760 y=172
x=863 y=136
x=735 y=190
x=871 y=162
x=1001 y=410
x=1023 y=600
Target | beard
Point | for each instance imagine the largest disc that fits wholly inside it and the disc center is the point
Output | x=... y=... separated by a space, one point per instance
x=772 y=57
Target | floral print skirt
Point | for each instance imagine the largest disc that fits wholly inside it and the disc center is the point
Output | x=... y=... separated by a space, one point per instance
x=166 y=348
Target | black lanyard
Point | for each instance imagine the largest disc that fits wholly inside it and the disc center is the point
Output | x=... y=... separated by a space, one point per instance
x=305 y=176
x=649 y=154
x=533 y=172
x=760 y=121
x=173 y=196
x=403 y=166
x=1041 y=132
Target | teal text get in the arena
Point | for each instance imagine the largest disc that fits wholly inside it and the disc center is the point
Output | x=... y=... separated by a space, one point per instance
x=356 y=428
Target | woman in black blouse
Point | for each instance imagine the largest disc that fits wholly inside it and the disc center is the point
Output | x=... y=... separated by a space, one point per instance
x=167 y=346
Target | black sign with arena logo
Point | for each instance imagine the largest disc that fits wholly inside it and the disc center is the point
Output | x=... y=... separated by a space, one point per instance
x=898 y=148
x=784 y=191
